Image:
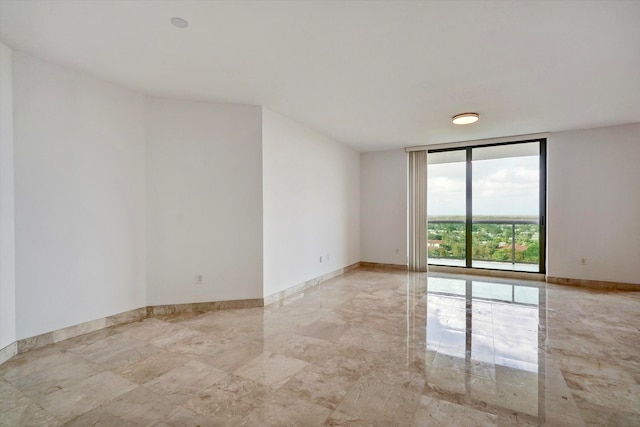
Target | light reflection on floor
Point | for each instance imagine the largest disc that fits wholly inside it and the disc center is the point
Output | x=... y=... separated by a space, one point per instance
x=494 y=329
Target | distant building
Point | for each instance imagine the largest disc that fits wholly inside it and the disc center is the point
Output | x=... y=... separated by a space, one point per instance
x=519 y=248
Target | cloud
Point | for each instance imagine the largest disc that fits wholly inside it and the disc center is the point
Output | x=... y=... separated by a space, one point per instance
x=506 y=182
x=507 y=186
x=443 y=184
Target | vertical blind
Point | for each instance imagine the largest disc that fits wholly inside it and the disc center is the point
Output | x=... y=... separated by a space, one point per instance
x=418 y=210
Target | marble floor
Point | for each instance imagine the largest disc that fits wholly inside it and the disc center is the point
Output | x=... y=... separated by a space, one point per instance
x=368 y=348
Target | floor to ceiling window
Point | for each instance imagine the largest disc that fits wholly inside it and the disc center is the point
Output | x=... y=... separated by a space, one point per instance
x=486 y=206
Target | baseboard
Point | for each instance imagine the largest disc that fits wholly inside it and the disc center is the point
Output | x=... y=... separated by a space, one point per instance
x=8 y=352
x=202 y=307
x=58 y=335
x=134 y=315
x=383 y=267
x=594 y=284
x=301 y=287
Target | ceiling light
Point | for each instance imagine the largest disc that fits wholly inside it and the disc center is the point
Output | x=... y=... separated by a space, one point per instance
x=465 y=118
x=179 y=22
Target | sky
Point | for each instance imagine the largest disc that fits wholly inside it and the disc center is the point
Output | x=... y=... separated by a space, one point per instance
x=507 y=186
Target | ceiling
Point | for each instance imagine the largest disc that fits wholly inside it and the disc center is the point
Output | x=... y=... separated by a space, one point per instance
x=373 y=75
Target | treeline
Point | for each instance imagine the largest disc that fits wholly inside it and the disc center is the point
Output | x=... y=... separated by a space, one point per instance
x=491 y=242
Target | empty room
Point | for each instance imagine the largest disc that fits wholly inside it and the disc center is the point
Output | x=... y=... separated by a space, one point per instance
x=310 y=212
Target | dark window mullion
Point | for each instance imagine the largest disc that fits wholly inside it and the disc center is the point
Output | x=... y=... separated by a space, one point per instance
x=469 y=216
x=542 y=229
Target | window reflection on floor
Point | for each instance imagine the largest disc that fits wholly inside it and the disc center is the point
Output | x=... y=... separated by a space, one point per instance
x=485 y=339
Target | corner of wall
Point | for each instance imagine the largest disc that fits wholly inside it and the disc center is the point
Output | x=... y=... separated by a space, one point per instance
x=204 y=201
x=311 y=204
x=593 y=204
x=383 y=207
x=8 y=331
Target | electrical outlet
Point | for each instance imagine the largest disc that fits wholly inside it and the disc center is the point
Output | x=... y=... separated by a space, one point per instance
x=321 y=259
x=199 y=279
x=583 y=261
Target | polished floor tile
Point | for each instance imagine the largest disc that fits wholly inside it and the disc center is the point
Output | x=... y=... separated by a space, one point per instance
x=369 y=348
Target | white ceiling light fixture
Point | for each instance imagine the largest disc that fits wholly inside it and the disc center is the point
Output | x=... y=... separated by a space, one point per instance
x=465 y=118
x=179 y=22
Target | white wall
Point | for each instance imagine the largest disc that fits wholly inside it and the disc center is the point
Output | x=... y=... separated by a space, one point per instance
x=204 y=201
x=594 y=204
x=7 y=230
x=383 y=207
x=79 y=197
x=311 y=190
x=121 y=202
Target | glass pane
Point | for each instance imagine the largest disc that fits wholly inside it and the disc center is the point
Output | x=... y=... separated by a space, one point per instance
x=446 y=207
x=505 y=186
